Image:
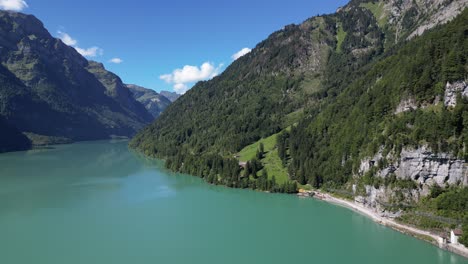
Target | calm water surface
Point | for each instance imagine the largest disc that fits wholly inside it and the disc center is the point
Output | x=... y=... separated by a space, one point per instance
x=100 y=203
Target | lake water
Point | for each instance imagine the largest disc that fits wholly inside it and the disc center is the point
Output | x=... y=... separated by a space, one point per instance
x=98 y=202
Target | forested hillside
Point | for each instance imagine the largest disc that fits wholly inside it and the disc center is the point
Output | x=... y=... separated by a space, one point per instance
x=355 y=103
x=305 y=76
x=329 y=146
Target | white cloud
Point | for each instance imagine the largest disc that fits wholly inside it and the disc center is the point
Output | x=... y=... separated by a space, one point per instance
x=180 y=88
x=116 y=60
x=14 y=5
x=89 y=52
x=241 y=53
x=67 y=39
x=181 y=78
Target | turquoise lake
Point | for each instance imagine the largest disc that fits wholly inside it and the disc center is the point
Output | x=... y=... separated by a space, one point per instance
x=98 y=202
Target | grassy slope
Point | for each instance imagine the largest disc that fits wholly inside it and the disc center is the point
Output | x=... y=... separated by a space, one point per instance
x=378 y=10
x=341 y=35
x=271 y=162
x=249 y=152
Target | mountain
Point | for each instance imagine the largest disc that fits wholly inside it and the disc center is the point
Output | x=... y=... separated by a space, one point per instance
x=170 y=95
x=48 y=89
x=369 y=103
x=118 y=91
x=153 y=102
x=293 y=72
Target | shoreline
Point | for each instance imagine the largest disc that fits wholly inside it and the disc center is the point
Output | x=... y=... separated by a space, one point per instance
x=388 y=222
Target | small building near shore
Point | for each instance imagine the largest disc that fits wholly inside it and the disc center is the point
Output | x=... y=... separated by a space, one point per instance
x=455 y=235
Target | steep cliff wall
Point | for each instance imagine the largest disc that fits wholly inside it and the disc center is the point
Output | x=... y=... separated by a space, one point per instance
x=417 y=165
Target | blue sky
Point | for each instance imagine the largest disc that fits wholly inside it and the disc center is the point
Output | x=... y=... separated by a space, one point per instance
x=154 y=38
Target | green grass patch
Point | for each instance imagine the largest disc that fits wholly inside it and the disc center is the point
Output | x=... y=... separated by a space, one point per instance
x=340 y=37
x=271 y=162
x=249 y=152
x=273 y=165
x=378 y=11
x=293 y=118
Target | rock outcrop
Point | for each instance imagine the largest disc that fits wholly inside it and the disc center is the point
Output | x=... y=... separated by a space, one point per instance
x=425 y=14
x=427 y=168
x=422 y=166
x=406 y=105
x=452 y=90
x=439 y=11
x=382 y=199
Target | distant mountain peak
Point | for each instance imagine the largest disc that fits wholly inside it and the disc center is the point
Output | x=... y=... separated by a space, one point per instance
x=171 y=95
x=153 y=102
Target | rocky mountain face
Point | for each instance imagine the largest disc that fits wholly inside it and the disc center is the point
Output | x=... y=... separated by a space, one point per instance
x=405 y=19
x=47 y=88
x=424 y=167
x=421 y=165
x=118 y=91
x=172 y=96
x=154 y=103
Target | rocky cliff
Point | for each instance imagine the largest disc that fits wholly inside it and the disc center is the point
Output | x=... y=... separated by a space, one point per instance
x=408 y=18
x=419 y=165
x=452 y=90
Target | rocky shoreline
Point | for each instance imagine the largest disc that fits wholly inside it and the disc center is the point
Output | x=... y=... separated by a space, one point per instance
x=436 y=240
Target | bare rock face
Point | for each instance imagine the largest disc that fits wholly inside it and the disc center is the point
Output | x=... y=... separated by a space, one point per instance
x=441 y=12
x=451 y=91
x=426 y=168
x=381 y=200
x=425 y=14
x=411 y=18
x=421 y=166
x=406 y=105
